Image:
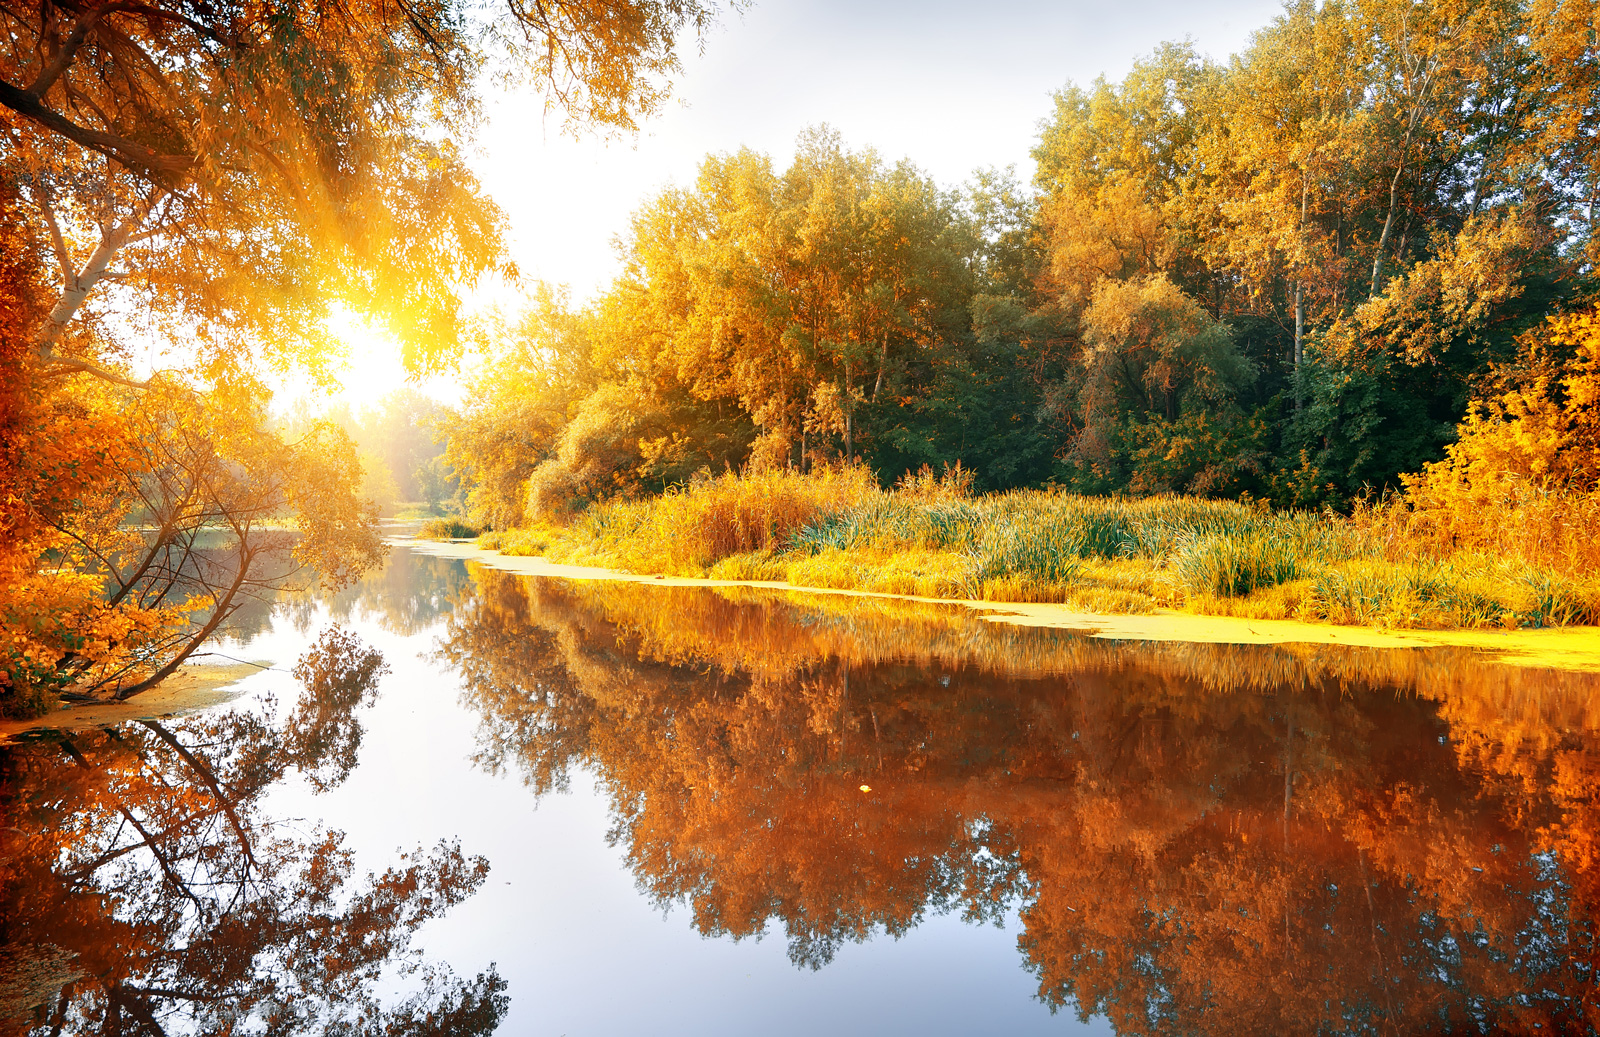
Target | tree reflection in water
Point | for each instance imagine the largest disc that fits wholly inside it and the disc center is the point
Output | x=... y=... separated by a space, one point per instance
x=1198 y=838
x=406 y=595
x=143 y=891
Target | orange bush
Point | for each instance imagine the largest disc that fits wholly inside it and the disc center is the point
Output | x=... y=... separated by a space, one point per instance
x=1523 y=479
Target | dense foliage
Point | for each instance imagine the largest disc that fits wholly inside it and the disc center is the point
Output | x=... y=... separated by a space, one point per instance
x=1284 y=275
x=231 y=173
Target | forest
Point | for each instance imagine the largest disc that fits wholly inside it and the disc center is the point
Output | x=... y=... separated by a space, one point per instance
x=1308 y=332
x=1287 y=275
x=1340 y=284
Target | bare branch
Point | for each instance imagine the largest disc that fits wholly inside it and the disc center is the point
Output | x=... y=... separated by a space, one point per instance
x=77 y=365
x=63 y=57
x=63 y=258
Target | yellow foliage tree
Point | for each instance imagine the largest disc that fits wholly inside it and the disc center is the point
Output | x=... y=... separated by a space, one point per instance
x=1524 y=476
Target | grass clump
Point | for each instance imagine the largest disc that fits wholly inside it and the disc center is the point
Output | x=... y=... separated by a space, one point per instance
x=750 y=565
x=449 y=528
x=1235 y=565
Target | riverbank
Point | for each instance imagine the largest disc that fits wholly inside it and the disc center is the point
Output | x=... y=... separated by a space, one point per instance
x=189 y=690
x=1390 y=566
x=1572 y=648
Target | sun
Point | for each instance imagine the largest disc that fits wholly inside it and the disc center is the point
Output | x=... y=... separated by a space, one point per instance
x=368 y=368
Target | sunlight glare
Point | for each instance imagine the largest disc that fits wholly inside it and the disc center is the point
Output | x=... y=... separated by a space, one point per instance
x=369 y=369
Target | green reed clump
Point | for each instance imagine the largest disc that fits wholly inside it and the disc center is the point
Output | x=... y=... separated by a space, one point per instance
x=1554 y=600
x=1235 y=564
x=1469 y=592
x=1008 y=548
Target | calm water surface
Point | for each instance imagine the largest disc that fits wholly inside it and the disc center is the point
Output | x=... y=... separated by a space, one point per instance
x=632 y=809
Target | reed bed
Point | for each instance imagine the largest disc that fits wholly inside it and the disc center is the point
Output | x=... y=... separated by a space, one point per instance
x=930 y=537
x=448 y=529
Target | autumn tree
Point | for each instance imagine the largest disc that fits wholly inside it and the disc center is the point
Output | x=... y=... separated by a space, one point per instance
x=249 y=165
x=233 y=172
x=763 y=318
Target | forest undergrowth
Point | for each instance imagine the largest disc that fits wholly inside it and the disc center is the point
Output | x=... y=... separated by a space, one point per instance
x=1408 y=561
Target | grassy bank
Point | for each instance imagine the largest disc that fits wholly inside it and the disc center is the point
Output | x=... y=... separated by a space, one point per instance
x=929 y=537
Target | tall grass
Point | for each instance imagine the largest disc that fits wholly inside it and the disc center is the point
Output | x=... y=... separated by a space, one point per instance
x=930 y=537
x=1234 y=565
x=447 y=529
x=689 y=528
x=1548 y=529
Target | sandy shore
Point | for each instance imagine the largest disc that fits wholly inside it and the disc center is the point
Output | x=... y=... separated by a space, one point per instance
x=1561 y=648
x=192 y=688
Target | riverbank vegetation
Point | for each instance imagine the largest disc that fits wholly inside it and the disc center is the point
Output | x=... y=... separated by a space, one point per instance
x=932 y=538
x=1308 y=332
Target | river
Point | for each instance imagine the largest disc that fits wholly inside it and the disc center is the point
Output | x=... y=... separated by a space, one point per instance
x=590 y=807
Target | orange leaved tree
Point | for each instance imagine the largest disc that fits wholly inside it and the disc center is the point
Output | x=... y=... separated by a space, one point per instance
x=1524 y=476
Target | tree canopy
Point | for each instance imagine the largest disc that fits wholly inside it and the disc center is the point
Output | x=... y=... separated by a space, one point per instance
x=231 y=172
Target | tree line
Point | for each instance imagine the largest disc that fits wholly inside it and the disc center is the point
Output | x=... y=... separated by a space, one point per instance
x=1285 y=275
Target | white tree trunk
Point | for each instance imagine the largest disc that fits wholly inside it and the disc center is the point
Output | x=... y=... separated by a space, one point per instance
x=77 y=289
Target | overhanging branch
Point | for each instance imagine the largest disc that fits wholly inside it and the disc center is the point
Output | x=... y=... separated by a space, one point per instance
x=163 y=169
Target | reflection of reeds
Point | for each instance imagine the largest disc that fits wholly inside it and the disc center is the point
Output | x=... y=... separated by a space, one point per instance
x=836 y=528
x=778 y=635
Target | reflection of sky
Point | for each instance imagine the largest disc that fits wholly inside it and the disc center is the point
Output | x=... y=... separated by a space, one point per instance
x=583 y=951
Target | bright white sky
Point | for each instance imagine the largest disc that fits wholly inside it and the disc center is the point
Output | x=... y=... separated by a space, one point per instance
x=953 y=87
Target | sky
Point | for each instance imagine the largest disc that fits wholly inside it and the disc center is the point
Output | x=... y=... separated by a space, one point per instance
x=952 y=87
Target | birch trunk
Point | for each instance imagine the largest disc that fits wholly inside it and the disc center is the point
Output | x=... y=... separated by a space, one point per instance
x=77 y=288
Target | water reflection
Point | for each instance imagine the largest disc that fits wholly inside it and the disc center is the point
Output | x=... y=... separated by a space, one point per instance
x=1197 y=838
x=406 y=595
x=143 y=890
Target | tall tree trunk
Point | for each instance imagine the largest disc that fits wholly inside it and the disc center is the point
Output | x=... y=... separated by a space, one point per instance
x=1299 y=293
x=77 y=289
x=1299 y=336
x=883 y=363
x=77 y=285
x=1394 y=183
x=849 y=411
